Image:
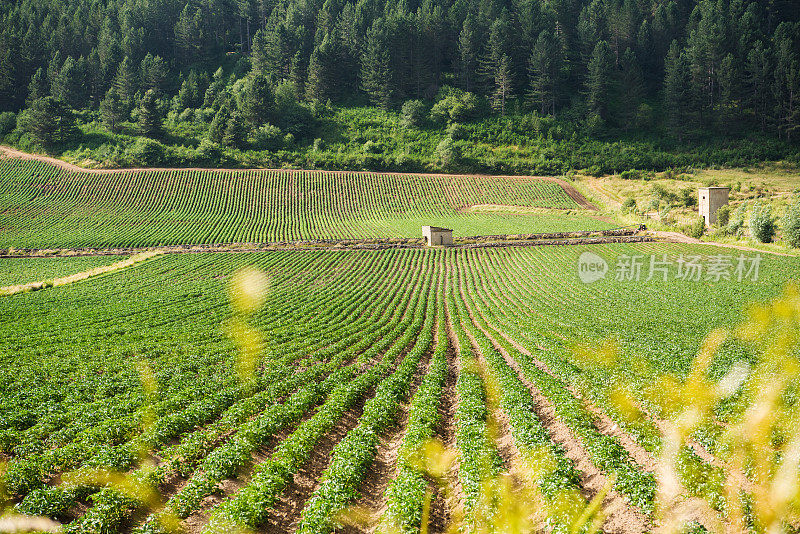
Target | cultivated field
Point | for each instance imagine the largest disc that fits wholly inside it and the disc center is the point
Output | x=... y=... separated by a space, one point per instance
x=44 y=206
x=367 y=354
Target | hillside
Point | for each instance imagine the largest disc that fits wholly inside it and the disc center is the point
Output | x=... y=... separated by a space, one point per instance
x=44 y=206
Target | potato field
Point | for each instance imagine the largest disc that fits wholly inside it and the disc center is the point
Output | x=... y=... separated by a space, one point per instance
x=367 y=354
x=157 y=398
x=43 y=206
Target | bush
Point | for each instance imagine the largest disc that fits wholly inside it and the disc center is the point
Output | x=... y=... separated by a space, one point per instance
x=412 y=115
x=447 y=153
x=8 y=121
x=371 y=147
x=629 y=205
x=736 y=223
x=455 y=105
x=268 y=137
x=724 y=215
x=457 y=131
x=209 y=152
x=147 y=152
x=762 y=223
x=689 y=198
x=697 y=228
x=791 y=225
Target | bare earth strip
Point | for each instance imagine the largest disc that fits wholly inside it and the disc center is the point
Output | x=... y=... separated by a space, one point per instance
x=441 y=509
x=677 y=237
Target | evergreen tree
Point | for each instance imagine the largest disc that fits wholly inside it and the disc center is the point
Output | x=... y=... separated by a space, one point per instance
x=503 y=85
x=786 y=87
x=125 y=82
x=676 y=88
x=37 y=88
x=48 y=121
x=153 y=73
x=235 y=131
x=215 y=89
x=149 y=116
x=259 y=58
x=545 y=72
x=631 y=89
x=758 y=74
x=189 y=94
x=592 y=28
x=730 y=87
x=323 y=74
x=258 y=100
x=467 y=55
x=53 y=68
x=599 y=80
x=69 y=84
x=112 y=110
x=219 y=124
x=375 y=74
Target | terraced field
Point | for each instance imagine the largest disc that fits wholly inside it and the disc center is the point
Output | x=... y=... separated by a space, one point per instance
x=367 y=355
x=45 y=206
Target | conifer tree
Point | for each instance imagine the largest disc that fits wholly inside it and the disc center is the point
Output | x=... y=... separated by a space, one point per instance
x=149 y=116
x=112 y=110
x=599 y=80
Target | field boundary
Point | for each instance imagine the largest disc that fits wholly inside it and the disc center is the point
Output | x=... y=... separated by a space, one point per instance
x=77 y=277
x=569 y=189
x=303 y=246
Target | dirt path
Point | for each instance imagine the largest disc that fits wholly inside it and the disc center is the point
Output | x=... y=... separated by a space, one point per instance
x=366 y=244
x=677 y=237
x=445 y=431
x=196 y=522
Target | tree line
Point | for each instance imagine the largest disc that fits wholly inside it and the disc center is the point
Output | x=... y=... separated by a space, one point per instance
x=693 y=67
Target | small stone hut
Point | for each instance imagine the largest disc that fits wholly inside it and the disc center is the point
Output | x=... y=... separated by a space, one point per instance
x=437 y=236
x=710 y=200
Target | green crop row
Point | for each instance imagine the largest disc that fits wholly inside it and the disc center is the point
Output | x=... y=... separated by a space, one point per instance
x=406 y=493
x=351 y=458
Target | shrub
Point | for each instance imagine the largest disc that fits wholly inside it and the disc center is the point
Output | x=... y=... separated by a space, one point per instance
x=371 y=147
x=762 y=223
x=629 y=205
x=147 y=152
x=736 y=223
x=318 y=145
x=688 y=197
x=412 y=115
x=8 y=121
x=209 y=151
x=457 y=131
x=724 y=215
x=447 y=153
x=696 y=229
x=268 y=137
x=791 y=224
x=455 y=105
